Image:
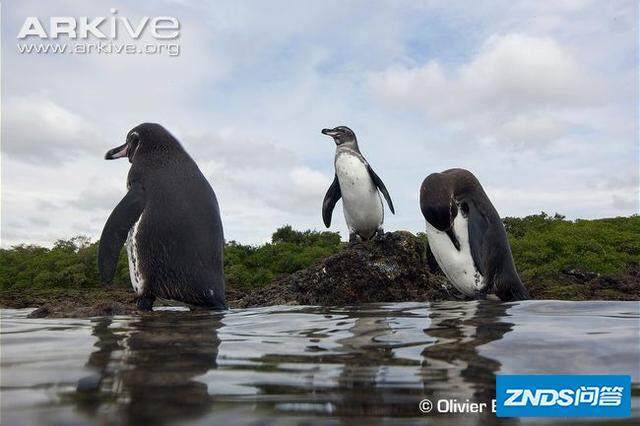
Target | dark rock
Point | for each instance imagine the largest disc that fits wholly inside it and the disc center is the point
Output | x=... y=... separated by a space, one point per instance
x=71 y=309
x=39 y=313
x=393 y=268
x=576 y=284
x=580 y=274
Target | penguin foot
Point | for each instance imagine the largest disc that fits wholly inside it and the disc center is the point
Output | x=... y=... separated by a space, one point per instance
x=145 y=303
x=353 y=238
x=481 y=294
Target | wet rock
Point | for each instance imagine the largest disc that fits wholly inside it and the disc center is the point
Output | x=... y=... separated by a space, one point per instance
x=76 y=303
x=70 y=309
x=393 y=268
x=41 y=312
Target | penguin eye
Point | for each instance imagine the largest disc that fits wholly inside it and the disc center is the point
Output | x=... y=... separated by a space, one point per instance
x=464 y=207
x=133 y=141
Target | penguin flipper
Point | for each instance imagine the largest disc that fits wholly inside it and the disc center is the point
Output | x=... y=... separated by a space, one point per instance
x=482 y=236
x=378 y=182
x=330 y=200
x=477 y=225
x=115 y=231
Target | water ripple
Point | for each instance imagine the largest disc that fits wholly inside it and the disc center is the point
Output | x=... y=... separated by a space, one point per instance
x=300 y=363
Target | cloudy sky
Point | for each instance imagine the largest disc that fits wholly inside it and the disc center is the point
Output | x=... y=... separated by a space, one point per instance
x=538 y=99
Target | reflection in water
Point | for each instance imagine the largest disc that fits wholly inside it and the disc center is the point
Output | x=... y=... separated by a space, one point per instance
x=364 y=368
x=450 y=368
x=148 y=368
x=459 y=372
x=293 y=365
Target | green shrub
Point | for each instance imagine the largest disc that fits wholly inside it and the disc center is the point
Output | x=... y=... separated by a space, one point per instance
x=288 y=252
x=542 y=246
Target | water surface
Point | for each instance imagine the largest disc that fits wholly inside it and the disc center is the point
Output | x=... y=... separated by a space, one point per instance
x=291 y=365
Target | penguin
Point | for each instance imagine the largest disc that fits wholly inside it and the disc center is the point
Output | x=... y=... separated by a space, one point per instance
x=467 y=237
x=357 y=184
x=170 y=220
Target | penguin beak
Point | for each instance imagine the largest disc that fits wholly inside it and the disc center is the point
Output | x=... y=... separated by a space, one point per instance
x=329 y=132
x=119 y=152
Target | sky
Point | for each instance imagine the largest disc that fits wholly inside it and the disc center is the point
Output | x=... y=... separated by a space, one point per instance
x=538 y=99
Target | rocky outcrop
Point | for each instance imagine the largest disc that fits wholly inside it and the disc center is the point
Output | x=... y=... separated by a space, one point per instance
x=393 y=268
x=398 y=268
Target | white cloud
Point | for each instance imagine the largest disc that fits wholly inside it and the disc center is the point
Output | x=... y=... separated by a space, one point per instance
x=37 y=130
x=510 y=74
x=99 y=196
x=540 y=102
x=260 y=185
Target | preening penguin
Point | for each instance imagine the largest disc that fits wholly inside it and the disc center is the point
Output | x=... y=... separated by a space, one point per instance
x=170 y=220
x=467 y=237
x=357 y=184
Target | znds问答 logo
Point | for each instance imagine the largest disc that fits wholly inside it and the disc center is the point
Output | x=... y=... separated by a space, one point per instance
x=563 y=395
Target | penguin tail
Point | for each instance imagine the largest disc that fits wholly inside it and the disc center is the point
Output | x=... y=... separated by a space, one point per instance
x=211 y=303
x=519 y=292
x=511 y=289
x=207 y=298
x=215 y=305
x=212 y=300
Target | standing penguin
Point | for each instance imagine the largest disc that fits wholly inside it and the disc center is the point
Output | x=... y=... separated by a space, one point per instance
x=358 y=185
x=171 y=223
x=467 y=237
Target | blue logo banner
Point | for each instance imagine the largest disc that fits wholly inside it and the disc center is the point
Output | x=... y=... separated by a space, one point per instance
x=563 y=396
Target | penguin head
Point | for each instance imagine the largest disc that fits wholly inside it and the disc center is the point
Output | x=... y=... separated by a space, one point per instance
x=341 y=135
x=437 y=202
x=143 y=138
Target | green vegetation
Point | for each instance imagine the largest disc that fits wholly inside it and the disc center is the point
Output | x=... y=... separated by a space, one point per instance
x=542 y=245
x=72 y=264
x=289 y=251
x=69 y=264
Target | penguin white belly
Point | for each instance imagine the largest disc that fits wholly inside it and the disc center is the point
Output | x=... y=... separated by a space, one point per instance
x=132 y=255
x=361 y=201
x=456 y=264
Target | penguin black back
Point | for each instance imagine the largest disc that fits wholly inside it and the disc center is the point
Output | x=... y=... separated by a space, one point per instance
x=171 y=220
x=444 y=196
